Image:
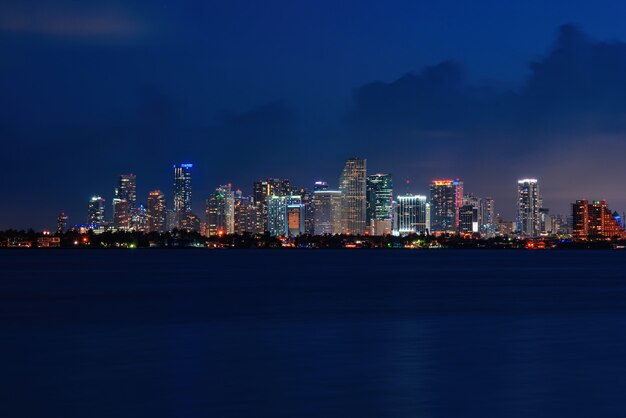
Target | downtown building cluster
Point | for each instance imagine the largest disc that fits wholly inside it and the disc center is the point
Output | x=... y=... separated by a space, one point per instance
x=362 y=204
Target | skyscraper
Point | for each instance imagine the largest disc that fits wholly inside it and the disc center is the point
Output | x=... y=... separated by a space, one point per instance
x=220 y=212
x=446 y=198
x=95 y=214
x=352 y=184
x=263 y=189
x=182 y=192
x=469 y=219
x=62 y=222
x=121 y=214
x=411 y=214
x=528 y=204
x=327 y=211
x=379 y=196
x=127 y=190
x=594 y=220
x=157 y=210
x=246 y=215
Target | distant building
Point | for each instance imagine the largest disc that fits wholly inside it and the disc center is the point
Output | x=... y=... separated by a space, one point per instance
x=320 y=186
x=246 y=215
x=263 y=189
x=220 y=212
x=446 y=198
x=121 y=214
x=594 y=220
x=327 y=211
x=379 y=197
x=528 y=204
x=352 y=184
x=127 y=190
x=157 y=212
x=62 y=222
x=468 y=219
x=411 y=214
x=95 y=212
x=182 y=192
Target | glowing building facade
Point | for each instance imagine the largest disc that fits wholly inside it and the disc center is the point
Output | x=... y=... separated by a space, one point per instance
x=528 y=204
x=446 y=199
x=157 y=212
x=352 y=185
x=327 y=211
x=411 y=214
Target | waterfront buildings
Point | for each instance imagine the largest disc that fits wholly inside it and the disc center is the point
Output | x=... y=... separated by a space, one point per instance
x=411 y=214
x=62 y=222
x=379 y=198
x=220 y=212
x=121 y=214
x=528 y=204
x=446 y=199
x=246 y=215
x=352 y=185
x=157 y=212
x=95 y=212
x=182 y=193
x=327 y=211
x=594 y=220
x=285 y=215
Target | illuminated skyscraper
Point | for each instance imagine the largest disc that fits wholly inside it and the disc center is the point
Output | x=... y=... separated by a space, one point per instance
x=379 y=193
x=446 y=198
x=528 y=204
x=352 y=184
x=121 y=214
x=247 y=217
x=327 y=211
x=320 y=185
x=62 y=222
x=285 y=215
x=263 y=189
x=594 y=220
x=411 y=214
x=220 y=212
x=182 y=192
x=469 y=219
x=95 y=214
x=127 y=190
x=157 y=210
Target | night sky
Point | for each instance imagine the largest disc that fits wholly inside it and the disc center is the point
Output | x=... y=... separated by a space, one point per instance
x=488 y=91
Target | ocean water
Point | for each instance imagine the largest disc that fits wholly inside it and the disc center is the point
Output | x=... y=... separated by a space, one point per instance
x=226 y=333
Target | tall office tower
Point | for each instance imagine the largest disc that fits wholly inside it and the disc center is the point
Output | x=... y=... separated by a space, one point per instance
x=182 y=192
x=263 y=189
x=327 y=212
x=62 y=222
x=594 y=220
x=528 y=204
x=121 y=214
x=220 y=212
x=544 y=221
x=490 y=211
x=296 y=216
x=285 y=215
x=157 y=211
x=95 y=213
x=139 y=219
x=352 y=184
x=411 y=214
x=246 y=215
x=379 y=195
x=446 y=199
x=469 y=219
x=320 y=185
x=127 y=190
x=309 y=216
x=171 y=220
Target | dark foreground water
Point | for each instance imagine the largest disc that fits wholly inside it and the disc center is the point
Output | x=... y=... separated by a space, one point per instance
x=312 y=334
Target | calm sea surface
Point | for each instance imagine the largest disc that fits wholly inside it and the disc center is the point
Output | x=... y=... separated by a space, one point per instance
x=155 y=333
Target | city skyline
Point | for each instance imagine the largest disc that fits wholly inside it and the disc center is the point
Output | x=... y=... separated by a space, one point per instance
x=420 y=100
x=365 y=204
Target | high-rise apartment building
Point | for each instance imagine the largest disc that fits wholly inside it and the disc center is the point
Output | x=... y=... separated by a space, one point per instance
x=594 y=220
x=528 y=204
x=352 y=184
x=182 y=192
x=327 y=211
x=246 y=215
x=95 y=214
x=379 y=197
x=62 y=222
x=127 y=190
x=263 y=189
x=446 y=199
x=220 y=212
x=157 y=212
x=121 y=214
x=411 y=214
